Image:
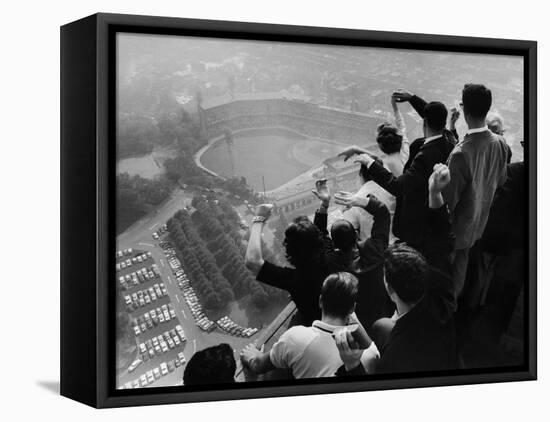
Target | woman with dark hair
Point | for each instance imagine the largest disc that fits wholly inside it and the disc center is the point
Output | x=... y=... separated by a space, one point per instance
x=304 y=246
x=392 y=141
x=394 y=145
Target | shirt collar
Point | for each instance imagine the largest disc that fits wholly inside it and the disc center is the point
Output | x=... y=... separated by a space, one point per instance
x=432 y=138
x=395 y=317
x=323 y=326
x=477 y=130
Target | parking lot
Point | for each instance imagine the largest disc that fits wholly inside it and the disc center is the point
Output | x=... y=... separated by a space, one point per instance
x=159 y=334
x=140 y=237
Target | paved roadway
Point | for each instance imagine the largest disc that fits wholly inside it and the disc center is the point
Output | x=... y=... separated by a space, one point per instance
x=139 y=237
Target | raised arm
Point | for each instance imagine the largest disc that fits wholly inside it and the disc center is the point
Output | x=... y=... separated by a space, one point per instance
x=414 y=178
x=455 y=114
x=380 y=232
x=441 y=239
x=440 y=245
x=399 y=122
x=253 y=258
x=416 y=102
x=322 y=193
x=351 y=151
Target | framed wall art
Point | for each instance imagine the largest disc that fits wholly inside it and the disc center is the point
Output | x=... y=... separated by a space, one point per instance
x=253 y=210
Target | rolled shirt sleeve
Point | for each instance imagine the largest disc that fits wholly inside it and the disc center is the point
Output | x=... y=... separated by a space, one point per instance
x=370 y=358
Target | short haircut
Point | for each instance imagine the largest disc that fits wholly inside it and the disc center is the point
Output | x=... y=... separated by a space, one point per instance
x=435 y=115
x=339 y=293
x=303 y=243
x=388 y=138
x=212 y=365
x=476 y=100
x=406 y=271
x=343 y=234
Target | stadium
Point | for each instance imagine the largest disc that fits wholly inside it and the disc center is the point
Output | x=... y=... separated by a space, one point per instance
x=306 y=136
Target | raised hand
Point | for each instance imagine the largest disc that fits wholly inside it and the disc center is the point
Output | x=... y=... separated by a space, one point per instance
x=455 y=115
x=364 y=159
x=351 y=151
x=439 y=178
x=322 y=192
x=401 y=96
x=349 y=199
x=393 y=102
x=264 y=210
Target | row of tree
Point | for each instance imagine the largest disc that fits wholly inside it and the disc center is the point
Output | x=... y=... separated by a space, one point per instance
x=206 y=278
x=222 y=238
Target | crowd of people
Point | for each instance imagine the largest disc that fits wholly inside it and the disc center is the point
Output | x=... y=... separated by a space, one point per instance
x=404 y=303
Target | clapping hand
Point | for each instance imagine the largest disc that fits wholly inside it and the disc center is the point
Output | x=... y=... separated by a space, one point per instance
x=322 y=192
x=351 y=151
x=350 y=200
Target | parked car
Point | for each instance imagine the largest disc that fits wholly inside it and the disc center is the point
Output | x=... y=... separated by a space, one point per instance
x=171 y=343
x=134 y=365
x=143 y=380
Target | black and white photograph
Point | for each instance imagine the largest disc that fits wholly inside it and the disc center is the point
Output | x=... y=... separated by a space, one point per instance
x=305 y=210
x=291 y=211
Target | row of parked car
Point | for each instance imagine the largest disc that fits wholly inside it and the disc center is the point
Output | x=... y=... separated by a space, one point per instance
x=154 y=374
x=138 y=259
x=231 y=327
x=201 y=320
x=128 y=262
x=162 y=343
x=153 y=318
x=160 y=232
x=142 y=275
x=145 y=296
x=124 y=252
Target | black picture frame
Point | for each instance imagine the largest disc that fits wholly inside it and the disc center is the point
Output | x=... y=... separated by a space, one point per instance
x=87 y=206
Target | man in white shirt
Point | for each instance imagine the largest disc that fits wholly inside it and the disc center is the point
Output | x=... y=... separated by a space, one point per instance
x=311 y=352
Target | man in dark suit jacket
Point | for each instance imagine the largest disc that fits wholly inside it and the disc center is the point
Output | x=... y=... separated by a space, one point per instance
x=411 y=188
x=423 y=336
